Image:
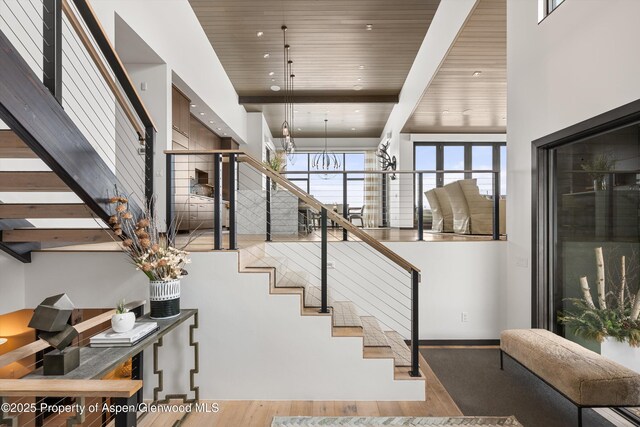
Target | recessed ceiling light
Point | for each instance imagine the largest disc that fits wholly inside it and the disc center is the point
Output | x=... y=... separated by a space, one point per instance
x=299 y=128
x=357 y=87
x=369 y=27
x=211 y=122
x=476 y=73
x=259 y=34
x=273 y=80
x=266 y=55
x=219 y=128
x=271 y=73
x=353 y=128
x=359 y=79
x=193 y=105
x=275 y=88
x=202 y=113
x=224 y=133
x=445 y=111
x=361 y=67
x=356 y=111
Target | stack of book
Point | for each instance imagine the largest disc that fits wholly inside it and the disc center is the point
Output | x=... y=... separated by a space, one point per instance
x=111 y=338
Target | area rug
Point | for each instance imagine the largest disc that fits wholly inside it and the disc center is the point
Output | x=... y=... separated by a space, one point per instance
x=394 y=421
x=475 y=382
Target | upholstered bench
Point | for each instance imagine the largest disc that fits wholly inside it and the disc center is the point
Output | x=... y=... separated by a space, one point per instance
x=582 y=376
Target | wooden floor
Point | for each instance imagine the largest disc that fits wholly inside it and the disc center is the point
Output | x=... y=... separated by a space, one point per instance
x=259 y=413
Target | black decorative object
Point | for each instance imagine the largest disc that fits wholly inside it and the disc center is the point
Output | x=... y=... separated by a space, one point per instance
x=51 y=318
x=387 y=162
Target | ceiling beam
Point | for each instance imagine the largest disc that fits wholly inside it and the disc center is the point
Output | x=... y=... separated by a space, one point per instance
x=320 y=99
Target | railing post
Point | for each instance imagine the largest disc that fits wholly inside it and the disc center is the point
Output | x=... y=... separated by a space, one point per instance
x=385 y=205
x=268 y=209
x=149 y=143
x=217 y=201
x=496 y=206
x=323 y=250
x=52 y=47
x=233 y=234
x=345 y=207
x=420 y=208
x=170 y=221
x=415 y=321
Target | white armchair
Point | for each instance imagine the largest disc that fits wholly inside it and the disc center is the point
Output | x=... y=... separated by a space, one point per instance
x=472 y=212
x=442 y=216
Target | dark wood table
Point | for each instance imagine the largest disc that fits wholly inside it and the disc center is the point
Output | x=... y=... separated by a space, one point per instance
x=95 y=363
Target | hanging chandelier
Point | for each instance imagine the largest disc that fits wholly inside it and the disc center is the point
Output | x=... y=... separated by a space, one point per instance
x=325 y=160
x=286 y=139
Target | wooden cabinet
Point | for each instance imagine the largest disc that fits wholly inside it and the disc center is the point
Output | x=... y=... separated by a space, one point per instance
x=181 y=118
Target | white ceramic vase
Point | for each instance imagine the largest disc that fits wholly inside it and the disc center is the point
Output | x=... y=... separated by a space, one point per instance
x=123 y=322
x=621 y=352
x=164 y=297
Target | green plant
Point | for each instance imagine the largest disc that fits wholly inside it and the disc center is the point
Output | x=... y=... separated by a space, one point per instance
x=276 y=162
x=120 y=308
x=598 y=167
x=617 y=311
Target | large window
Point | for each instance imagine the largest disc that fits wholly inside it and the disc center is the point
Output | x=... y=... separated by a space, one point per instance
x=327 y=188
x=545 y=7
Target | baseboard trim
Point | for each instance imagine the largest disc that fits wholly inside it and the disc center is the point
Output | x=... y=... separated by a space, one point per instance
x=476 y=343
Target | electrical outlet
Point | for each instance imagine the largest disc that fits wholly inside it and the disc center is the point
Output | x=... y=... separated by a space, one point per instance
x=331 y=265
x=464 y=316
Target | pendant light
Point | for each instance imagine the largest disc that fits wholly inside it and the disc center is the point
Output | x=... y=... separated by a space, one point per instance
x=325 y=160
x=286 y=138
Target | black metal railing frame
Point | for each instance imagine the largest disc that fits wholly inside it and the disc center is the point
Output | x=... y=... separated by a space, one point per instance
x=232 y=160
x=52 y=70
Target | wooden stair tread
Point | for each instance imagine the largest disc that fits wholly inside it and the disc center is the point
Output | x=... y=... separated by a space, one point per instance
x=31 y=181
x=292 y=279
x=347 y=331
x=373 y=334
x=312 y=296
x=402 y=373
x=44 y=210
x=66 y=235
x=401 y=352
x=345 y=314
x=12 y=147
x=69 y=388
x=269 y=261
x=377 y=352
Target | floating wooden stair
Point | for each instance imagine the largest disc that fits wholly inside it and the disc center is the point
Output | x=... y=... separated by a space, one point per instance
x=65 y=210
x=12 y=147
x=31 y=181
x=71 y=235
x=401 y=353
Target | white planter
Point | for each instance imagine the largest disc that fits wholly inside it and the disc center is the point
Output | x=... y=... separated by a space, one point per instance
x=164 y=297
x=622 y=353
x=123 y=322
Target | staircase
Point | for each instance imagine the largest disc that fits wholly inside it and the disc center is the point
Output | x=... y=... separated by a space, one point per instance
x=346 y=319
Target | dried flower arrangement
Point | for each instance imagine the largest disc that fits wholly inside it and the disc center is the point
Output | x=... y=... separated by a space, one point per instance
x=617 y=313
x=147 y=248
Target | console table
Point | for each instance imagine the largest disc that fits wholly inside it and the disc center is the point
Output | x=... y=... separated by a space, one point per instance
x=95 y=363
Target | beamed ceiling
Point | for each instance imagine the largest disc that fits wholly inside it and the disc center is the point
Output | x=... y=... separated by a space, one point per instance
x=333 y=53
x=456 y=101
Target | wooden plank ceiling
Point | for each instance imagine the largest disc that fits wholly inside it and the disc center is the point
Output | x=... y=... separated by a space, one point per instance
x=332 y=50
x=456 y=101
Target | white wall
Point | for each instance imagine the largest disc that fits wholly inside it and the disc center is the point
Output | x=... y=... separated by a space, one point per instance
x=337 y=144
x=12 y=284
x=186 y=50
x=577 y=63
x=253 y=345
x=457 y=277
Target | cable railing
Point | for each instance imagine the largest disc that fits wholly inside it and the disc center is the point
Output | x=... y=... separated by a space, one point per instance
x=226 y=199
x=381 y=201
x=64 y=44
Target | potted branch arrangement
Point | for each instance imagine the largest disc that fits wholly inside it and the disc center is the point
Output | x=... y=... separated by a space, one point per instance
x=597 y=169
x=276 y=163
x=149 y=251
x=615 y=320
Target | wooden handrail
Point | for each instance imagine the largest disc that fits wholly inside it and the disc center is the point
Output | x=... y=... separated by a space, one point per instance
x=69 y=388
x=335 y=217
x=201 y=152
x=39 y=345
x=102 y=68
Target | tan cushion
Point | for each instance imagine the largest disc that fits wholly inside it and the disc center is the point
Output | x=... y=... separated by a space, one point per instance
x=459 y=208
x=445 y=209
x=581 y=374
x=436 y=212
